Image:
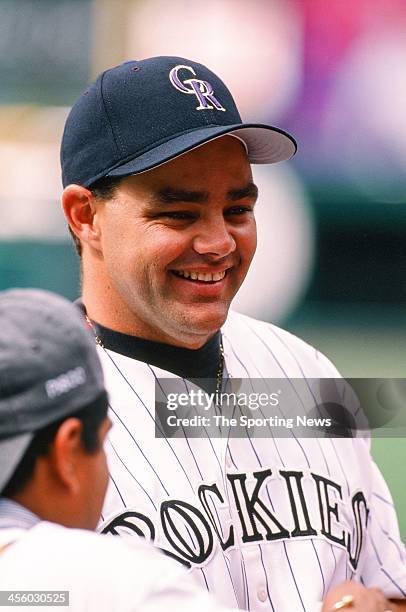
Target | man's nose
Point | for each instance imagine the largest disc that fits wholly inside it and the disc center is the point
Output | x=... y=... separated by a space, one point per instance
x=214 y=238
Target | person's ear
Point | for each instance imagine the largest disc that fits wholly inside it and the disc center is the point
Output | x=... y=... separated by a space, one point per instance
x=80 y=208
x=66 y=454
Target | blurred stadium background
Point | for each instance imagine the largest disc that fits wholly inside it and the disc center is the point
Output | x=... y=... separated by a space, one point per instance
x=332 y=260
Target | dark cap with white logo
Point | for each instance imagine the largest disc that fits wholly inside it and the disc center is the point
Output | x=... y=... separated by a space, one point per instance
x=144 y=113
x=49 y=368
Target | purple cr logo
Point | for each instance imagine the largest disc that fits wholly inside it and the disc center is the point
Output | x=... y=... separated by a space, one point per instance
x=201 y=89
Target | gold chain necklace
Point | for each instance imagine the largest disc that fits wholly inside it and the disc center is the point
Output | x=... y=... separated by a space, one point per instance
x=220 y=369
x=93 y=328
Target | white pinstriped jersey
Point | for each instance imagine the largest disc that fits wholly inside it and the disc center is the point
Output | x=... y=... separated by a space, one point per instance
x=265 y=523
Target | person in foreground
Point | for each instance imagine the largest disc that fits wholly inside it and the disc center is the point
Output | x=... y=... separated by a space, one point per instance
x=53 y=475
x=160 y=200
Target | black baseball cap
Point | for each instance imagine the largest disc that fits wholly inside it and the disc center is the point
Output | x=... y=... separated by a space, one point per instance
x=49 y=369
x=144 y=113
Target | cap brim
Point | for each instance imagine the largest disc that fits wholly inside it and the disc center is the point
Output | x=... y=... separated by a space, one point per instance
x=265 y=145
x=11 y=452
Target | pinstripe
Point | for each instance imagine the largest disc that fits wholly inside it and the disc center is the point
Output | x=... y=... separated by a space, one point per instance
x=381 y=564
x=287 y=378
x=376 y=550
x=227 y=562
x=308 y=386
x=401 y=591
x=140 y=449
x=260 y=409
x=205 y=579
x=107 y=353
x=293 y=576
x=335 y=560
x=131 y=474
x=231 y=457
x=321 y=569
x=248 y=376
x=386 y=501
x=213 y=507
x=205 y=430
x=400 y=552
x=118 y=490
x=295 y=359
x=341 y=465
x=244 y=573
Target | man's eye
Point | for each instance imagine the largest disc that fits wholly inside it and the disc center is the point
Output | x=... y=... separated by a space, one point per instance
x=238 y=210
x=176 y=214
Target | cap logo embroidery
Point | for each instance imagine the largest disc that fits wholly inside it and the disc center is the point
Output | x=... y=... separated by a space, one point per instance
x=65 y=382
x=201 y=89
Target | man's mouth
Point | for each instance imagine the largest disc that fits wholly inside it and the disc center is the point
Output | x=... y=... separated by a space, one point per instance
x=204 y=277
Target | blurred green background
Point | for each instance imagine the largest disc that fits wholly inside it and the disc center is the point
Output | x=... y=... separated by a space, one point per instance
x=332 y=260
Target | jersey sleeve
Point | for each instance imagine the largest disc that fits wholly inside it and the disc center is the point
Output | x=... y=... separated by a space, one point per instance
x=385 y=559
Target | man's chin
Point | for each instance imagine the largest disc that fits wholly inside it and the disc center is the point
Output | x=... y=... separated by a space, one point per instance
x=197 y=323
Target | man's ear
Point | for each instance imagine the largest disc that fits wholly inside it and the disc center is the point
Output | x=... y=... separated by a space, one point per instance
x=79 y=205
x=66 y=454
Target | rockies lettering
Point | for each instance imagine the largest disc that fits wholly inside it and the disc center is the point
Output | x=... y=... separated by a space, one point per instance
x=256 y=520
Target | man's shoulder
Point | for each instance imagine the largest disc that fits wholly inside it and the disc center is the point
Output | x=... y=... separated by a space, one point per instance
x=84 y=547
x=125 y=572
x=53 y=535
x=280 y=343
x=238 y=323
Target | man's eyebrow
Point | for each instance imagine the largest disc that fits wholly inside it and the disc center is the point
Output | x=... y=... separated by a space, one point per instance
x=249 y=191
x=170 y=195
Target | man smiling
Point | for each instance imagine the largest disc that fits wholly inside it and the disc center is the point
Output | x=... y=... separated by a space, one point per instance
x=171 y=249
x=160 y=200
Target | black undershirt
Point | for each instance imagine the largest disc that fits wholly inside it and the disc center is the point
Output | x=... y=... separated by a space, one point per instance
x=187 y=363
x=201 y=363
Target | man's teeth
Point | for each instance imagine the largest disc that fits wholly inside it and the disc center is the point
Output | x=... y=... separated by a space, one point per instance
x=205 y=277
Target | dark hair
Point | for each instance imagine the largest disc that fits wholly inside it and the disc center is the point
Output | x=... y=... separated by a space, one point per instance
x=103 y=189
x=91 y=417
